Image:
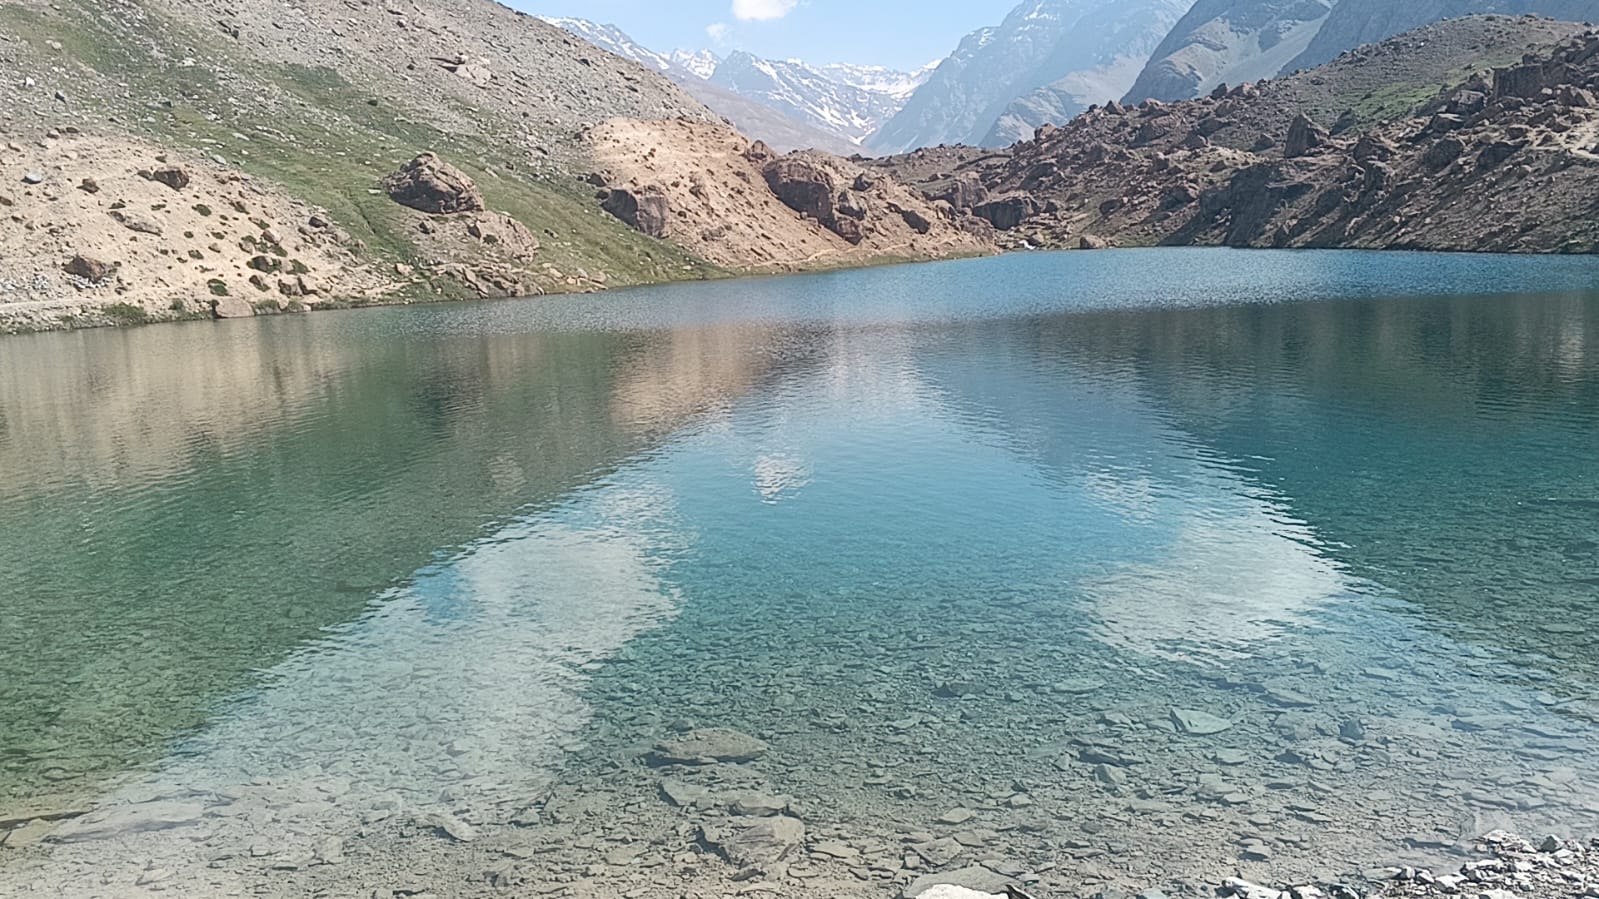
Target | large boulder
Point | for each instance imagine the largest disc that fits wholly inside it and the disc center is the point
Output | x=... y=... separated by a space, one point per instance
x=1524 y=81
x=646 y=210
x=802 y=186
x=914 y=220
x=1493 y=155
x=1005 y=213
x=755 y=842
x=1443 y=154
x=974 y=877
x=429 y=184
x=1303 y=136
x=963 y=193
x=172 y=176
x=90 y=269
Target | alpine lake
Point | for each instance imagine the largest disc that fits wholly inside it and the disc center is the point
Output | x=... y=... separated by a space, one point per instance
x=1099 y=572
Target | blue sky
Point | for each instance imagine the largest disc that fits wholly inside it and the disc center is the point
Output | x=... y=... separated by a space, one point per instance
x=901 y=33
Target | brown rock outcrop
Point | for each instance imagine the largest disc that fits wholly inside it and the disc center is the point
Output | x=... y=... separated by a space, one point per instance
x=505 y=234
x=88 y=268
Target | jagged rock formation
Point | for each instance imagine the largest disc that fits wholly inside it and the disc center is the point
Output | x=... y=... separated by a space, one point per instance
x=1047 y=61
x=1506 y=160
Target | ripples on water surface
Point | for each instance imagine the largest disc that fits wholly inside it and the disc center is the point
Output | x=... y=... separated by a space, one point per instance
x=947 y=537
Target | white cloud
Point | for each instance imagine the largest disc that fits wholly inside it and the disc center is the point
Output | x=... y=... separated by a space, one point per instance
x=718 y=32
x=762 y=10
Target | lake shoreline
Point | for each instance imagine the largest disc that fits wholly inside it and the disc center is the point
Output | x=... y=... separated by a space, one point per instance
x=14 y=323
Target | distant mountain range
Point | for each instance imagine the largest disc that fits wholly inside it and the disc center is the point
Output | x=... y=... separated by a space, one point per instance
x=786 y=103
x=1047 y=62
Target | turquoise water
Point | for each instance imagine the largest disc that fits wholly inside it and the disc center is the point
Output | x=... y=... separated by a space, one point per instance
x=948 y=536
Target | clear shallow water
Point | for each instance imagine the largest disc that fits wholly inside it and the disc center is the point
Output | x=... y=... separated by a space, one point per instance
x=945 y=536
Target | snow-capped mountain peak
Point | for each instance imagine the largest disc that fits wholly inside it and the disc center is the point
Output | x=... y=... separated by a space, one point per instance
x=845 y=101
x=614 y=40
x=702 y=63
x=880 y=79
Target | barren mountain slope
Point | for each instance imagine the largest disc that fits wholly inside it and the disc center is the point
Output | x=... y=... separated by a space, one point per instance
x=1500 y=161
x=1226 y=42
x=318 y=102
x=734 y=203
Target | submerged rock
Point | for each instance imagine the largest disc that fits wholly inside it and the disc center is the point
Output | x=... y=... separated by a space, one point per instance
x=450 y=826
x=704 y=747
x=757 y=805
x=125 y=820
x=1198 y=724
x=684 y=795
x=753 y=842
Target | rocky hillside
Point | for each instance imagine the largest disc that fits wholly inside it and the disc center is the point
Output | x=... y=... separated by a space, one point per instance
x=1500 y=160
x=173 y=159
x=1047 y=61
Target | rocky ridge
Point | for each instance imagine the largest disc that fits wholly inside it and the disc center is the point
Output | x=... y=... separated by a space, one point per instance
x=1497 y=161
x=1353 y=23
